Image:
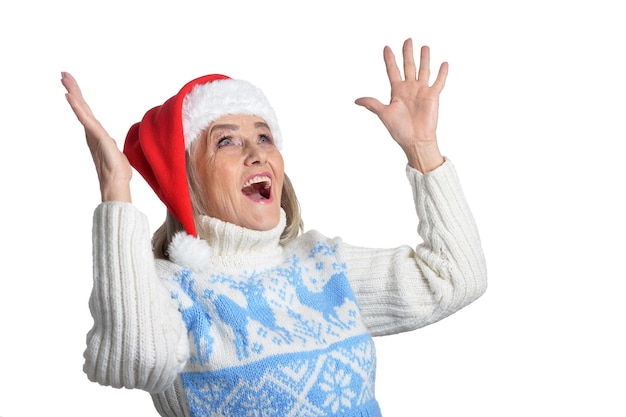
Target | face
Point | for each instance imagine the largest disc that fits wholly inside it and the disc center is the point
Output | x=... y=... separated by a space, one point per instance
x=241 y=171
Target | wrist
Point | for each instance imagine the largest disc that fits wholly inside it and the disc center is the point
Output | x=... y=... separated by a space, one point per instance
x=424 y=157
x=116 y=191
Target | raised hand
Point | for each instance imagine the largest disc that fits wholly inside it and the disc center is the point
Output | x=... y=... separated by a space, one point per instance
x=114 y=170
x=412 y=113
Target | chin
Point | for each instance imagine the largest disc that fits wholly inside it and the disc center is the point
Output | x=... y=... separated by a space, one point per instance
x=267 y=224
x=264 y=222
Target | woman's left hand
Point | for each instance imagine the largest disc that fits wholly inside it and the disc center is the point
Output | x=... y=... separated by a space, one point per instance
x=411 y=115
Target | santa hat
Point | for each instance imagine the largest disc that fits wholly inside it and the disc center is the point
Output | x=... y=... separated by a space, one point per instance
x=156 y=146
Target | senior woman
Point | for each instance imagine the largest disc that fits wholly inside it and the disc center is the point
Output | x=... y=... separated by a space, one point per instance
x=232 y=310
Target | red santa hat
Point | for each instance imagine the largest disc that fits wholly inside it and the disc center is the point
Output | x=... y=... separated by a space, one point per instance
x=156 y=146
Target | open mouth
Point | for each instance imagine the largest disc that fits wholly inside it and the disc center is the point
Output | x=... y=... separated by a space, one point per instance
x=258 y=188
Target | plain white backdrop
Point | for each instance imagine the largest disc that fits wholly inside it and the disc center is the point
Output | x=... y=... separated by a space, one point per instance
x=532 y=116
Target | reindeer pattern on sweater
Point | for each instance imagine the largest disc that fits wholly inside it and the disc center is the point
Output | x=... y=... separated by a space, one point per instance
x=285 y=338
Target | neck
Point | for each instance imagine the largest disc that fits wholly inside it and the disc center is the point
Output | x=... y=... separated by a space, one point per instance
x=220 y=243
x=227 y=239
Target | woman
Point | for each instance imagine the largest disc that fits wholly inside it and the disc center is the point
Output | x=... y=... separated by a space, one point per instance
x=232 y=310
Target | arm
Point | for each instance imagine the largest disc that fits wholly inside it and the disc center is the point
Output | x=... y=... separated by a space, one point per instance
x=403 y=289
x=138 y=339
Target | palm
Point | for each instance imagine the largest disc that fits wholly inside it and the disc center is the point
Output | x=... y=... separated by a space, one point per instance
x=411 y=113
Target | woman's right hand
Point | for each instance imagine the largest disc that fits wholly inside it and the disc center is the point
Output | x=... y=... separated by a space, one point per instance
x=114 y=170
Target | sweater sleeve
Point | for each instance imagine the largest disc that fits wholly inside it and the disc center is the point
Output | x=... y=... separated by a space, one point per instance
x=403 y=289
x=138 y=339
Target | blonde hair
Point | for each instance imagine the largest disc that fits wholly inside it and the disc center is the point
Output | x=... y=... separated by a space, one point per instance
x=163 y=235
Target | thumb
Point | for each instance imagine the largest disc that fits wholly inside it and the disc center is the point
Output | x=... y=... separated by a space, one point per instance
x=370 y=104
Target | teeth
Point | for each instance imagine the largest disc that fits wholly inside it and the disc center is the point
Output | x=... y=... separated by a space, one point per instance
x=256 y=180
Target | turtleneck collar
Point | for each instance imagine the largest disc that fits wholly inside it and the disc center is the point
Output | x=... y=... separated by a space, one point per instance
x=225 y=244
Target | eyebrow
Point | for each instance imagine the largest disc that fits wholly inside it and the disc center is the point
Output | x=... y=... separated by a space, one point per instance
x=236 y=127
x=224 y=126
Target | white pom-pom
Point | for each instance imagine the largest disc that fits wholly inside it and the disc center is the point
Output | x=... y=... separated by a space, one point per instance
x=190 y=252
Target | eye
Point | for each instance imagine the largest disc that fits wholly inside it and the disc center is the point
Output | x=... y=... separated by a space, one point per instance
x=225 y=141
x=265 y=139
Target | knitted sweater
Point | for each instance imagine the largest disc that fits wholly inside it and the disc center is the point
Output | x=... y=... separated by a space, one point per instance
x=236 y=324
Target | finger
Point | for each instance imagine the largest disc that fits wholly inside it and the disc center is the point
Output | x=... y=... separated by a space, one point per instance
x=77 y=107
x=70 y=84
x=371 y=104
x=91 y=125
x=75 y=98
x=442 y=76
x=393 y=72
x=424 y=71
x=409 y=60
x=80 y=108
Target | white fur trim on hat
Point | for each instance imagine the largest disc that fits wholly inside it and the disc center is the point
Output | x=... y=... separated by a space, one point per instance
x=208 y=102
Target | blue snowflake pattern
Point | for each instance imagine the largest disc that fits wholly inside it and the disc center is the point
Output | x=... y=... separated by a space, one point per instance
x=337 y=384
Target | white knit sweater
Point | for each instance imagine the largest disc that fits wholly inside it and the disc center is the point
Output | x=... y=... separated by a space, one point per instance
x=230 y=304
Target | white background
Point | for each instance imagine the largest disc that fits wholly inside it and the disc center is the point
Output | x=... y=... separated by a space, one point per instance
x=532 y=117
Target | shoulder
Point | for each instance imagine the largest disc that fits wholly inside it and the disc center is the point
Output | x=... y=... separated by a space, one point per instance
x=313 y=242
x=165 y=268
x=313 y=237
x=172 y=274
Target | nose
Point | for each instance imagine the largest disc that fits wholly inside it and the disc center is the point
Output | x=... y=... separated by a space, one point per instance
x=255 y=155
